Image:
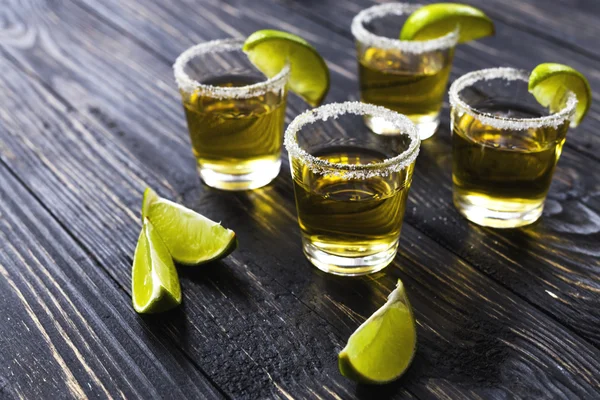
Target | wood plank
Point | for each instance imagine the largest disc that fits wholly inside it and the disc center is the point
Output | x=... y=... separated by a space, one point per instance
x=556 y=257
x=67 y=330
x=570 y=23
x=267 y=298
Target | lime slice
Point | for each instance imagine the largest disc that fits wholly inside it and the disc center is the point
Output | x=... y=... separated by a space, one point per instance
x=269 y=50
x=155 y=285
x=550 y=82
x=382 y=348
x=190 y=237
x=436 y=20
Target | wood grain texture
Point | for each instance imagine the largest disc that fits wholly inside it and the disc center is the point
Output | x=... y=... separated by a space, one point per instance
x=571 y=24
x=263 y=323
x=556 y=257
x=67 y=330
x=568 y=24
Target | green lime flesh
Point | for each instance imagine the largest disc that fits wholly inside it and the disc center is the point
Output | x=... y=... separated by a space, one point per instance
x=383 y=347
x=270 y=50
x=155 y=284
x=190 y=237
x=550 y=84
x=436 y=20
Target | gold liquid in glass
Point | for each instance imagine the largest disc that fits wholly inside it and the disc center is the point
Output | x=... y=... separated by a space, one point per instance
x=234 y=114
x=351 y=186
x=409 y=77
x=505 y=148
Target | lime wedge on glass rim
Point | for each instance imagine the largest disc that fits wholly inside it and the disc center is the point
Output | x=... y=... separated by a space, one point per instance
x=550 y=82
x=436 y=20
x=269 y=50
x=154 y=282
x=382 y=348
x=190 y=237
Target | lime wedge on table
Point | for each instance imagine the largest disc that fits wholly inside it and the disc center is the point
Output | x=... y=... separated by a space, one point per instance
x=190 y=237
x=269 y=50
x=436 y=20
x=550 y=82
x=382 y=348
x=155 y=285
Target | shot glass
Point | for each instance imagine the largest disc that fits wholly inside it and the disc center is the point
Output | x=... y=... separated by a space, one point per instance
x=234 y=114
x=408 y=77
x=505 y=146
x=350 y=185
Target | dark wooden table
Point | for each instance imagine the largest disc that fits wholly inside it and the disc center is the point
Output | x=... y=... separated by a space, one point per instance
x=89 y=115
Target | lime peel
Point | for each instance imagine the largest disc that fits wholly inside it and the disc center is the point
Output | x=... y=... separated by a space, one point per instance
x=382 y=348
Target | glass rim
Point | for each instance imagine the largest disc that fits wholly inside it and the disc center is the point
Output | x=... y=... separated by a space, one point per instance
x=353 y=171
x=510 y=74
x=189 y=85
x=370 y=39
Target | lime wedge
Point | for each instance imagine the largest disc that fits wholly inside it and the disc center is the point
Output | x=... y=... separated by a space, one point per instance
x=436 y=20
x=382 y=348
x=550 y=82
x=154 y=281
x=269 y=50
x=190 y=237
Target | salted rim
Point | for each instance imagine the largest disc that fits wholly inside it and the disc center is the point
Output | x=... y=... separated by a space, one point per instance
x=353 y=171
x=495 y=121
x=188 y=85
x=409 y=46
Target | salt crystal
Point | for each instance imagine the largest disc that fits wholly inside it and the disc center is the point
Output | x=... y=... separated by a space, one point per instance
x=189 y=85
x=353 y=171
x=367 y=38
x=498 y=122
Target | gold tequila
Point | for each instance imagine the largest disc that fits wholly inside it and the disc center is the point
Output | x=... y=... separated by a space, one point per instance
x=350 y=185
x=234 y=114
x=407 y=76
x=503 y=169
x=235 y=136
x=413 y=86
x=505 y=146
x=350 y=217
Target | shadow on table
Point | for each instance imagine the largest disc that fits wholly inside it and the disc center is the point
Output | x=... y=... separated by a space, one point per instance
x=393 y=389
x=162 y=323
x=214 y=277
x=380 y=392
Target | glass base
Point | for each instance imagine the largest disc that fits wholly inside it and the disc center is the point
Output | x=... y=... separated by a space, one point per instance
x=348 y=266
x=258 y=178
x=496 y=214
x=427 y=125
